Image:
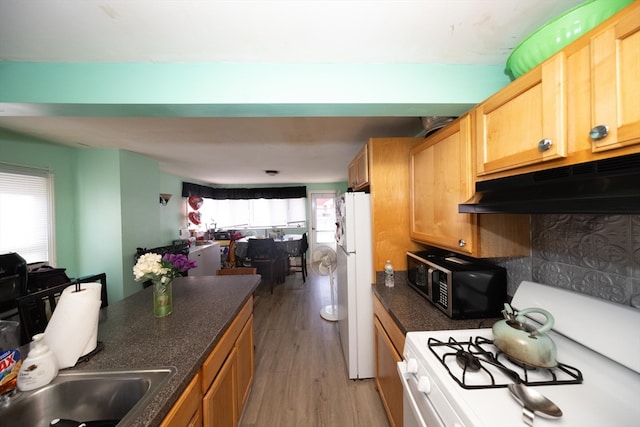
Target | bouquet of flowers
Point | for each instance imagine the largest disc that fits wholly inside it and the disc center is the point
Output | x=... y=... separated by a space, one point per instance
x=161 y=269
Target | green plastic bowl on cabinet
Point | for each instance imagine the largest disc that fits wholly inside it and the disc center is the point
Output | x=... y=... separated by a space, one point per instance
x=558 y=33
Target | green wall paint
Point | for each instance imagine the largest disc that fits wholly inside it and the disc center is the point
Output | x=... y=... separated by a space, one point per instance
x=107 y=200
x=60 y=160
x=174 y=215
x=106 y=205
x=139 y=190
x=99 y=227
x=239 y=89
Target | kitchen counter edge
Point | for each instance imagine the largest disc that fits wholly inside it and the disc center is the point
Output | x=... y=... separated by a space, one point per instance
x=203 y=309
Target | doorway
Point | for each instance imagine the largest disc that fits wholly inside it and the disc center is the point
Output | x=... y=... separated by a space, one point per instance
x=323 y=220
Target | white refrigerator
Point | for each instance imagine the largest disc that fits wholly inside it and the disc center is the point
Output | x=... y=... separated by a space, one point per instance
x=354 y=279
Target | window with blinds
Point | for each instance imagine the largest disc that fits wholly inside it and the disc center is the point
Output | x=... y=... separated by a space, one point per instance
x=255 y=213
x=26 y=213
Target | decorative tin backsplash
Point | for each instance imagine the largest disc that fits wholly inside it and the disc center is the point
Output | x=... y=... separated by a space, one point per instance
x=597 y=255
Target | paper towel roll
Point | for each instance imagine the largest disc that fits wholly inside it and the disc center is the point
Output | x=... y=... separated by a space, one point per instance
x=73 y=329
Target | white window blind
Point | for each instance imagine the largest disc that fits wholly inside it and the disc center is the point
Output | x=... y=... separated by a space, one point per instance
x=254 y=213
x=26 y=214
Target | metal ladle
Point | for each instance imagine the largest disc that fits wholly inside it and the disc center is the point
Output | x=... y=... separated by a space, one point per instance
x=533 y=402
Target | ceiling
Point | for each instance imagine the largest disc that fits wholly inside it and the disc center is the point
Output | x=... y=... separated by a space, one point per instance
x=237 y=150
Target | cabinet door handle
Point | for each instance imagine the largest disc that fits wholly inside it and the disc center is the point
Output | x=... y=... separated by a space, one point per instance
x=599 y=132
x=545 y=144
x=462 y=243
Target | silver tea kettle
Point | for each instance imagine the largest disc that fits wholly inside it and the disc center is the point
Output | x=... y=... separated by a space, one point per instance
x=522 y=342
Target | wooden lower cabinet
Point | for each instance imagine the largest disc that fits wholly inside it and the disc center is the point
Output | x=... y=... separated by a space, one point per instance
x=389 y=341
x=220 y=403
x=216 y=395
x=244 y=345
x=188 y=410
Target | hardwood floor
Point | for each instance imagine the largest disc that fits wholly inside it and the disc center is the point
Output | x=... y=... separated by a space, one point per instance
x=300 y=373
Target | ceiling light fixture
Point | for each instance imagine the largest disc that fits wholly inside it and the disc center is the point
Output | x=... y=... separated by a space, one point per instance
x=271 y=172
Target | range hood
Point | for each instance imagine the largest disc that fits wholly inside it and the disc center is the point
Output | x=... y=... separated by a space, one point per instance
x=609 y=186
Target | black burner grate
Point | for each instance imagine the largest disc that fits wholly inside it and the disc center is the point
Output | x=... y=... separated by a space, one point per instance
x=489 y=356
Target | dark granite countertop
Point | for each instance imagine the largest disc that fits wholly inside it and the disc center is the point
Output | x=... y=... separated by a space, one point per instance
x=203 y=308
x=412 y=312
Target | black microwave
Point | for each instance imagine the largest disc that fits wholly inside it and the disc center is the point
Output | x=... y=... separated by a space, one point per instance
x=461 y=288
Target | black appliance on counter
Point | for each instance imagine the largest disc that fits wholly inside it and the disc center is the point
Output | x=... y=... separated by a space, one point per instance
x=459 y=287
x=13 y=283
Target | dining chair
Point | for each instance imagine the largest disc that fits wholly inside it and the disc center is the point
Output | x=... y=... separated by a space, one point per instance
x=267 y=259
x=299 y=263
x=236 y=270
x=35 y=308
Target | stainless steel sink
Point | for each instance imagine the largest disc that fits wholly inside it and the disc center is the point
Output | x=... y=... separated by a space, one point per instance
x=87 y=396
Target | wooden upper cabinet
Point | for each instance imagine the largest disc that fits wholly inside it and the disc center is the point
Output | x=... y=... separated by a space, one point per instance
x=615 y=68
x=440 y=179
x=592 y=84
x=389 y=188
x=524 y=123
x=359 y=170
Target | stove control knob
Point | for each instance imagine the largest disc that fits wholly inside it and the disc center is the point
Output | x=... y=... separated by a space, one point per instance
x=412 y=366
x=424 y=384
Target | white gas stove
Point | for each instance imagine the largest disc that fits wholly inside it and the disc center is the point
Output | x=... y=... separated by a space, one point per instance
x=596 y=383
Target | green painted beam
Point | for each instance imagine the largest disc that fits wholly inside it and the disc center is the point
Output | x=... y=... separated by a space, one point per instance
x=234 y=110
x=243 y=90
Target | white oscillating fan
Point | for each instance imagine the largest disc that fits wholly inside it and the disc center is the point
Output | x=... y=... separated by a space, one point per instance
x=323 y=262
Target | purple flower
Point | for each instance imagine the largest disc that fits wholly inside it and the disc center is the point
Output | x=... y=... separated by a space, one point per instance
x=178 y=262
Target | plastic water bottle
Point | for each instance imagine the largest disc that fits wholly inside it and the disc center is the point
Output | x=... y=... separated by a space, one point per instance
x=388 y=274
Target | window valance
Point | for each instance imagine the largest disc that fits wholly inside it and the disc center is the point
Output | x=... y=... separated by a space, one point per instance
x=190 y=189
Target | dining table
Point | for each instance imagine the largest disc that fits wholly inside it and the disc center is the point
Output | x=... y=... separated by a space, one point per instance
x=289 y=244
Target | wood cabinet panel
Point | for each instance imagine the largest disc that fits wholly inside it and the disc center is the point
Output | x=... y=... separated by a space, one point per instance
x=512 y=125
x=220 y=403
x=602 y=79
x=359 y=170
x=229 y=370
x=615 y=67
x=197 y=420
x=441 y=177
x=387 y=379
x=217 y=394
x=389 y=343
x=244 y=347
x=387 y=179
x=395 y=334
x=389 y=188
x=214 y=362
x=187 y=411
